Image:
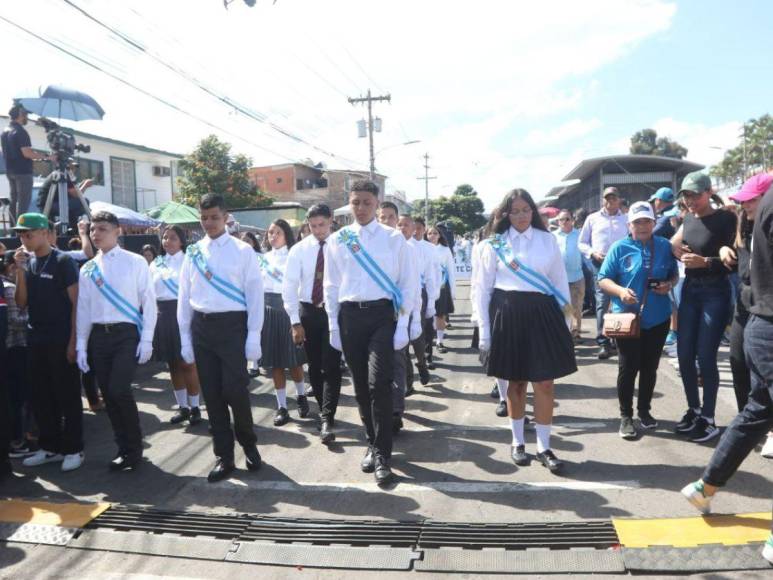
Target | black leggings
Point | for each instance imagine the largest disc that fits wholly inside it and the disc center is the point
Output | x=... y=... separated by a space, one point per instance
x=639 y=356
x=742 y=383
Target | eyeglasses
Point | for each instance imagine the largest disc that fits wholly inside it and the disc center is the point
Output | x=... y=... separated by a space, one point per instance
x=564 y=219
x=518 y=212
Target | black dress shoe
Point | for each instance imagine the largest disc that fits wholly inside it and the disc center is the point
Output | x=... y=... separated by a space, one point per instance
x=441 y=348
x=397 y=423
x=409 y=390
x=502 y=409
x=123 y=462
x=549 y=460
x=604 y=353
x=182 y=414
x=303 y=406
x=519 y=456
x=221 y=470
x=424 y=375
x=253 y=458
x=281 y=417
x=382 y=473
x=195 y=417
x=494 y=394
x=326 y=434
x=253 y=373
x=368 y=463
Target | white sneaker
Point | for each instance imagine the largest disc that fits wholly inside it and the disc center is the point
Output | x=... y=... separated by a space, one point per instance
x=696 y=496
x=40 y=457
x=767 y=449
x=72 y=461
x=767 y=551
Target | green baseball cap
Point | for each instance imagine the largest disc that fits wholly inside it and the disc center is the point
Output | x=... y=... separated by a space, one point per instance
x=696 y=181
x=31 y=221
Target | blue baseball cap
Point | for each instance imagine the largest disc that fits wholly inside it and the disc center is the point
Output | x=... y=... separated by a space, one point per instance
x=664 y=193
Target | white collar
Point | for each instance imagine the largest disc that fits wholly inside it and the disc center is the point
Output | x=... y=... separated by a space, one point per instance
x=527 y=233
x=221 y=240
x=371 y=227
x=112 y=253
x=280 y=251
x=178 y=257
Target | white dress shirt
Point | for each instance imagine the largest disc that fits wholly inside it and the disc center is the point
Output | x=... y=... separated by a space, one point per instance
x=346 y=281
x=445 y=259
x=231 y=260
x=128 y=274
x=533 y=248
x=277 y=261
x=601 y=230
x=173 y=263
x=299 y=274
x=475 y=265
x=428 y=268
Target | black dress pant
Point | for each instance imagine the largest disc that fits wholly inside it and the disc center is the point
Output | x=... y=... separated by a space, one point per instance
x=420 y=344
x=367 y=338
x=742 y=381
x=324 y=361
x=218 y=346
x=89 y=383
x=56 y=398
x=639 y=356
x=427 y=327
x=113 y=349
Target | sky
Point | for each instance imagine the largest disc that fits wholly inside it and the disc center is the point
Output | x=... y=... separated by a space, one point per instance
x=499 y=94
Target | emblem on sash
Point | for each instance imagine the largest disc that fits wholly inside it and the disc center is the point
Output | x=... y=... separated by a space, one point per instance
x=355 y=248
x=514 y=265
x=99 y=282
x=208 y=275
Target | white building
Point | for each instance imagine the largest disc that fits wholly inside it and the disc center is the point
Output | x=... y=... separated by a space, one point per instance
x=124 y=174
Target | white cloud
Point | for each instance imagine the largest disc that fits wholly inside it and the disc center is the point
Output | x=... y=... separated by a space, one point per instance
x=562 y=134
x=705 y=144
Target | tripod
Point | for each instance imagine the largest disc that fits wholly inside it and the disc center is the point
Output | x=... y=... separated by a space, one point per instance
x=59 y=188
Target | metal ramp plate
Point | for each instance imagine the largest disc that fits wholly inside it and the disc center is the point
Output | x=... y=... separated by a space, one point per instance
x=153 y=544
x=309 y=556
x=36 y=534
x=702 y=559
x=521 y=561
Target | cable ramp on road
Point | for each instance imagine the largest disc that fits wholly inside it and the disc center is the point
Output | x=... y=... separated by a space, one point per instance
x=698 y=544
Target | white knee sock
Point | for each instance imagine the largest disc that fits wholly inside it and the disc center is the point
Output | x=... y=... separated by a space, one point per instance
x=502 y=386
x=543 y=437
x=182 y=397
x=193 y=401
x=300 y=388
x=517 y=426
x=281 y=398
x=440 y=334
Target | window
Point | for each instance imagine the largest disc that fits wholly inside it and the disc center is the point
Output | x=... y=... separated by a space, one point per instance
x=91 y=169
x=299 y=184
x=279 y=180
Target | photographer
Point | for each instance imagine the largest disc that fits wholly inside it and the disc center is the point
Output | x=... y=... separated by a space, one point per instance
x=19 y=155
x=75 y=207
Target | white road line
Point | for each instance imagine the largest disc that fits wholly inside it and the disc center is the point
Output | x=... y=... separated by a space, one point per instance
x=410 y=428
x=472 y=487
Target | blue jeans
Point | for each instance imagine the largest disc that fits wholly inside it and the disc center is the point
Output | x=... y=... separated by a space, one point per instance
x=756 y=418
x=602 y=307
x=703 y=315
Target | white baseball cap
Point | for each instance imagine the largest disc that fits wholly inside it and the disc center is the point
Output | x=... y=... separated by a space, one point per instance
x=640 y=209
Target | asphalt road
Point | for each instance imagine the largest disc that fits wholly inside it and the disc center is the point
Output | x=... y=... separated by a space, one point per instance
x=452 y=460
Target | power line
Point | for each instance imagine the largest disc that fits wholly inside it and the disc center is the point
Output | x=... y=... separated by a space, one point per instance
x=370 y=100
x=426 y=179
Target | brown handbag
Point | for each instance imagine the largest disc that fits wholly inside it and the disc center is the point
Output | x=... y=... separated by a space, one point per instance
x=628 y=324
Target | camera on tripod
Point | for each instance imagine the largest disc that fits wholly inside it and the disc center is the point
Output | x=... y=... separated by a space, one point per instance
x=61 y=143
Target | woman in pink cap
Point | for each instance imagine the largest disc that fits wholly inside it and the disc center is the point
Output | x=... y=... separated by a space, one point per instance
x=738 y=256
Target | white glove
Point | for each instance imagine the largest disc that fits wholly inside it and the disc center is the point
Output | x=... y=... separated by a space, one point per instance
x=484 y=340
x=252 y=346
x=144 y=351
x=187 y=353
x=430 y=311
x=335 y=340
x=400 y=340
x=415 y=330
x=82 y=360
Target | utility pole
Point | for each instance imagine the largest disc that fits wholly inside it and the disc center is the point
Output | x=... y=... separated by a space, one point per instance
x=369 y=100
x=426 y=179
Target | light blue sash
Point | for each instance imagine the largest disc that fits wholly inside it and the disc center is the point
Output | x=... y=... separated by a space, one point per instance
x=223 y=286
x=444 y=271
x=91 y=270
x=275 y=273
x=349 y=239
x=173 y=286
x=539 y=281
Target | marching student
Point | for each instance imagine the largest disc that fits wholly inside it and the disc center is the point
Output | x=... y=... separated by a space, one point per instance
x=220 y=314
x=280 y=352
x=522 y=280
x=430 y=291
x=47 y=285
x=165 y=271
x=445 y=303
x=369 y=292
x=304 y=301
x=428 y=324
x=115 y=325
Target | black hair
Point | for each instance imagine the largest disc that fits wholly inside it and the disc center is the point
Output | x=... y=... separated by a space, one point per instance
x=389 y=205
x=365 y=185
x=150 y=248
x=105 y=216
x=503 y=211
x=441 y=238
x=406 y=215
x=75 y=244
x=16 y=111
x=6 y=261
x=420 y=220
x=212 y=200
x=319 y=210
x=288 y=231
x=182 y=235
x=253 y=240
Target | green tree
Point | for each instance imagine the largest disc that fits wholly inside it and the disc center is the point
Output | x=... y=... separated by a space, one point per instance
x=463 y=210
x=752 y=155
x=647 y=142
x=210 y=168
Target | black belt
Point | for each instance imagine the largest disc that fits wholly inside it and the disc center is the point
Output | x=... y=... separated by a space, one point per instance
x=218 y=315
x=319 y=306
x=113 y=326
x=369 y=304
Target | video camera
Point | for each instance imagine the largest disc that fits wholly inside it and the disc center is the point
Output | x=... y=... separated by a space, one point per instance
x=61 y=142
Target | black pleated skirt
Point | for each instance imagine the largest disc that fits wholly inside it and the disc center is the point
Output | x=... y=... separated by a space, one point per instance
x=444 y=304
x=276 y=339
x=166 y=338
x=529 y=338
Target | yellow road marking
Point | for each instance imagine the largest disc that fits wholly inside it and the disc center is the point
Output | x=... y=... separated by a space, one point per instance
x=67 y=515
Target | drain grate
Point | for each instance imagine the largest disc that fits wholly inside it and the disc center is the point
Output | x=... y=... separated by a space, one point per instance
x=326 y=532
x=560 y=536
